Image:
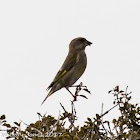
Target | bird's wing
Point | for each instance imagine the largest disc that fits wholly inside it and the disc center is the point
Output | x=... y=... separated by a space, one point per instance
x=69 y=63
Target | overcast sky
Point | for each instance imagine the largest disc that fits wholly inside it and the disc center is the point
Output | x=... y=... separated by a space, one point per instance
x=34 y=39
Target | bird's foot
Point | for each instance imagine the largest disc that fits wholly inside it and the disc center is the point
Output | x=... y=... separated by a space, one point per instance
x=75 y=97
x=78 y=89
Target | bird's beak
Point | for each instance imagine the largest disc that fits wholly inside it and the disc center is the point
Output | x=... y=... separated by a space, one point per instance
x=88 y=43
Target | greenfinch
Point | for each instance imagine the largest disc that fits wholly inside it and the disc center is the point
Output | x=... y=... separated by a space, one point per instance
x=72 y=68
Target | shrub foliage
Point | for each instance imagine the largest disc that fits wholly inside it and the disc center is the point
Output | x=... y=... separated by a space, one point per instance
x=126 y=126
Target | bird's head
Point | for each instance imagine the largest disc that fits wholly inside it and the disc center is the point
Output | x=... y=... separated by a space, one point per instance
x=79 y=44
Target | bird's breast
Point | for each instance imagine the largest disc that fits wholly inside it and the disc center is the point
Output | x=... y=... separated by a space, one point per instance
x=81 y=63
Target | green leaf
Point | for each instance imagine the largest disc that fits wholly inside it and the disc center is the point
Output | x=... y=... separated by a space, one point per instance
x=114 y=121
x=114 y=102
x=2 y=117
x=98 y=116
x=116 y=89
x=89 y=119
x=75 y=138
x=39 y=114
x=18 y=124
x=87 y=90
x=3 y=121
x=109 y=91
x=7 y=125
x=83 y=96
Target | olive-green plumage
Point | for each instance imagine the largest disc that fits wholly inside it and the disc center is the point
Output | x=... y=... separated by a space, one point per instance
x=73 y=66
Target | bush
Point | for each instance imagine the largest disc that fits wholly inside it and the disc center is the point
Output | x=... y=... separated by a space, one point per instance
x=126 y=126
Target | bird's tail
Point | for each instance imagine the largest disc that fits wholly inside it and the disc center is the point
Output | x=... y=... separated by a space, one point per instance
x=49 y=94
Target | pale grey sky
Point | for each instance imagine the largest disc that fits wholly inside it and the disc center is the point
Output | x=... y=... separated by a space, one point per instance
x=34 y=39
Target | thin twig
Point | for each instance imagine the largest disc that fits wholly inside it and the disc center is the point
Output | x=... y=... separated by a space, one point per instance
x=63 y=107
x=102 y=119
x=109 y=110
x=32 y=127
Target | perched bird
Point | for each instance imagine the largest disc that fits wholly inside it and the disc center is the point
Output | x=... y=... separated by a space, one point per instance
x=73 y=66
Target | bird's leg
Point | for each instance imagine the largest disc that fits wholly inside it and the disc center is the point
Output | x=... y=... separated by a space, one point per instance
x=78 y=89
x=74 y=96
x=70 y=92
